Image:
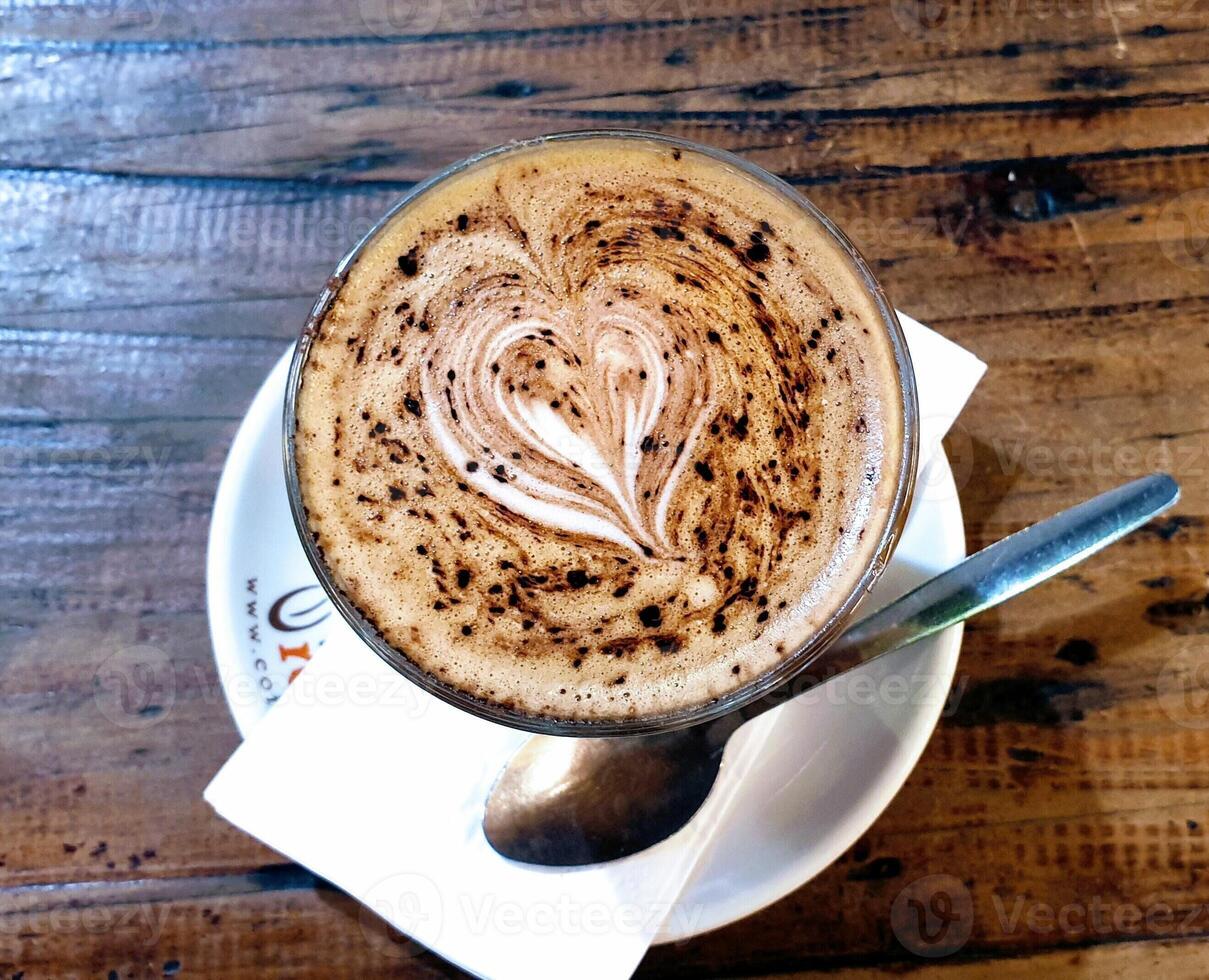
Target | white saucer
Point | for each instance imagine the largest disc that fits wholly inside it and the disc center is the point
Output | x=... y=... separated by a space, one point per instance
x=834 y=759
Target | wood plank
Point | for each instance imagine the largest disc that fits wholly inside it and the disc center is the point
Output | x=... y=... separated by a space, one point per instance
x=94 y=790
x=245 y=258
x=1009 y=883
x=174 y=258
x=160 y=921
x=144 y=928
x=1172 y=959
x=776 y=83
x=971 y=31
x=272 y=22
x=267 y=924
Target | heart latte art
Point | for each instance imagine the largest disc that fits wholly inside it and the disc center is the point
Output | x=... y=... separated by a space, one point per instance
x=568 y=399
x=599 y=429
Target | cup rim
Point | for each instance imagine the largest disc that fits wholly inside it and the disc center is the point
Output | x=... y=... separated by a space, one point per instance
x=760 y=685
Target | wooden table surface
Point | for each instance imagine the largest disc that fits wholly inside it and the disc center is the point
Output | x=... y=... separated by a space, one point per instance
x=1031 y=177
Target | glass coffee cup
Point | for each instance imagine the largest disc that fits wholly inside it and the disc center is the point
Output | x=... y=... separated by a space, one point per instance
x=900 y=465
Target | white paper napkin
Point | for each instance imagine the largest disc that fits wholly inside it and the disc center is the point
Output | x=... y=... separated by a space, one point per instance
x=379 y=788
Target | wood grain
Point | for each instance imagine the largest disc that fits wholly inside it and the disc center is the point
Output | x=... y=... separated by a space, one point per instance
x=1026 y=177
x=1176 y=959
x=237 y=257
x=778 y=85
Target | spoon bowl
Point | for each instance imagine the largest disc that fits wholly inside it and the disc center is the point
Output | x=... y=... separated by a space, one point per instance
x=597 y=799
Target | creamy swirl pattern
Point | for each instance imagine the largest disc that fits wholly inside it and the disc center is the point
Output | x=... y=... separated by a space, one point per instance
x=598 y=430
x=564 y=399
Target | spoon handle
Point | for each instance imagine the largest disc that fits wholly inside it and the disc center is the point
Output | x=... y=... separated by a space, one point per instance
x=994 y=575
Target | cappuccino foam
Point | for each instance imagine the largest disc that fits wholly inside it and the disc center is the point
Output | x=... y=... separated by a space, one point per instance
x=599 y=429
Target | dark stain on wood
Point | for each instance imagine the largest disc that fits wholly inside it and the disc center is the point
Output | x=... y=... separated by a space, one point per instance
x=1096 y=78
x=1027 y=756
x=1022 y=191
x=1027 y=700
x=1167 y=528
x=1189 y=615
x=879 y=869
x=512 y=89
x=1078 y=651
x=773 y=90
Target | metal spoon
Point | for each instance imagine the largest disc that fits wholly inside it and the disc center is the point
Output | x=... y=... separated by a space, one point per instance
x=573 y=801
